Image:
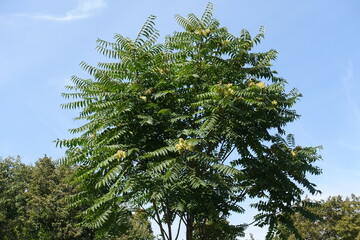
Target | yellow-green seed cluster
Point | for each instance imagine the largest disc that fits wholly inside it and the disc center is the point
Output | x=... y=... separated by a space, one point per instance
x=184 y=145
x=120 y=154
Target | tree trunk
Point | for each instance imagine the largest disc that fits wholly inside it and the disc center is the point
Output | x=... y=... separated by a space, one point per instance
x=190 y=227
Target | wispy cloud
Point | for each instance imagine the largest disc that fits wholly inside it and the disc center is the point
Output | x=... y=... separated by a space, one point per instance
x=84 y=9
x=45 y=120
x=347 y=83
x=349 y=86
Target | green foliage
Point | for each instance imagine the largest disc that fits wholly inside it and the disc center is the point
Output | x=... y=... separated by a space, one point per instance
x=14 y=177
x=34 y=205
x=47 y=216
x=139 y=228
x=162 y=122
x=335 y=218
x=33 y=201
x=218 y=229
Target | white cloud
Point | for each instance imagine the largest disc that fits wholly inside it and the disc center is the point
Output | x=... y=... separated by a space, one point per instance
x=84 y=9
x=89 y=5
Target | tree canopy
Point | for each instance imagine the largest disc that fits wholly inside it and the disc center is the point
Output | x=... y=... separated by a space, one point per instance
x=186 y=130
x=33 y=202
x=34 y=205
x=14 y=177
x=335 y=218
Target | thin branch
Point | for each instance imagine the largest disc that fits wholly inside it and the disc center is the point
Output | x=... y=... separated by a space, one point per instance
x=221 y=147
x=178 y=231
x=182 y=219
x=248 y=224
x=168 y=220
x=228 y=155
x=159 y=221
x=240 y=196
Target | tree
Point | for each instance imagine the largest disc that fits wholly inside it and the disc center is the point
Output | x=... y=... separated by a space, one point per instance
x=33 y=205
x=47 y=215
x=139 y=228
x=126 y=226
x=14 y=177
x=336 y=218
x=163 y=120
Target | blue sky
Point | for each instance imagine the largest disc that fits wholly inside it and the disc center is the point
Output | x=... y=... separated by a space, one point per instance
x=43 y=41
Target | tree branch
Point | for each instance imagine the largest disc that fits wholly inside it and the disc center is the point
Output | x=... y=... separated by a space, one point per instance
x=162 y=231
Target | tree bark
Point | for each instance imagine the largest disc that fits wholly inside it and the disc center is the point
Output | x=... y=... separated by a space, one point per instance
x=189 y=227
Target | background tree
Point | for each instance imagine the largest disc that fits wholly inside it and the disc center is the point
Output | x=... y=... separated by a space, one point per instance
x=47 y=215
x=34 y=205
x=126 y=226
x=337 y=218
x=139 y=228
x=14 y=177
x=163 y=121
